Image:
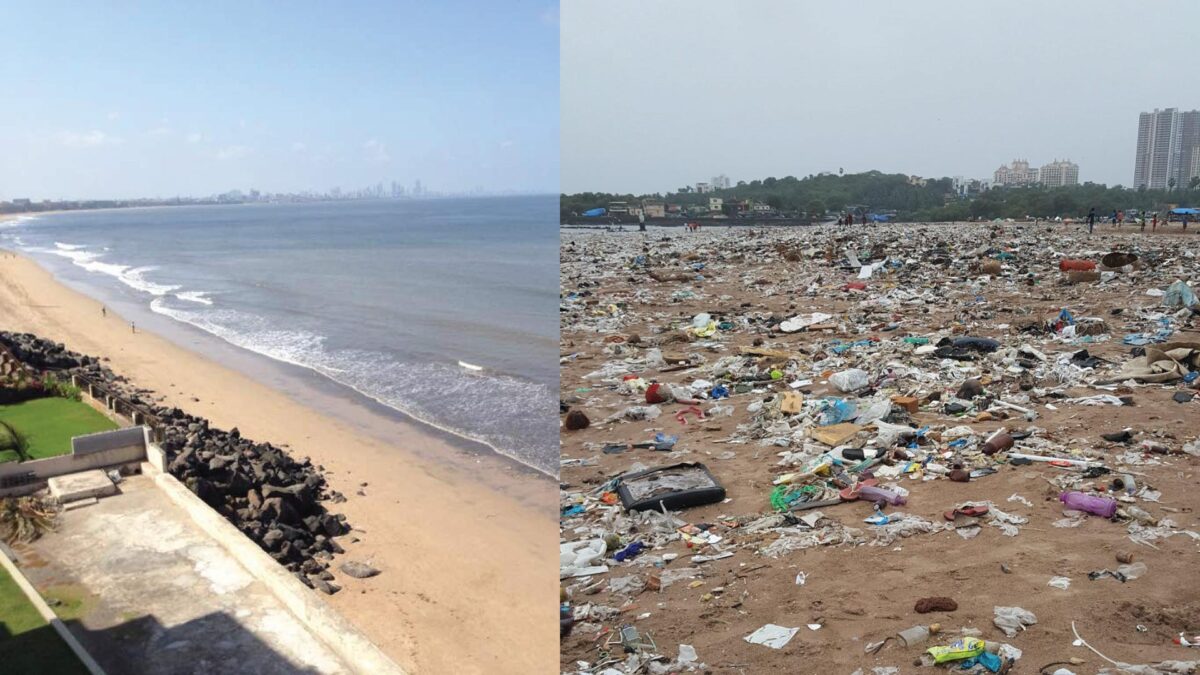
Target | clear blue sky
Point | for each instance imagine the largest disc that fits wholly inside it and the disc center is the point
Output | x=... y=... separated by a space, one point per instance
x=112 y=100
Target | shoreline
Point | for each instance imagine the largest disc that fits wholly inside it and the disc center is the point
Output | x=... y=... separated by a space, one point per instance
x=269 y=367
x=435 y=607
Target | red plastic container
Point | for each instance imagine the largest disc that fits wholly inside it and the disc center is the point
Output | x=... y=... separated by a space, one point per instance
x=1068 y=265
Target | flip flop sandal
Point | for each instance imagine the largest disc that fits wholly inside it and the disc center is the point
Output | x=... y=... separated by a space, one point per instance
x=970 y=512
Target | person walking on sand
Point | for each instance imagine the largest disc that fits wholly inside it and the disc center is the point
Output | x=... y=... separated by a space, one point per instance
x=103 y=311
x=1091 y=219
x=1154 y=222
x=132 y=328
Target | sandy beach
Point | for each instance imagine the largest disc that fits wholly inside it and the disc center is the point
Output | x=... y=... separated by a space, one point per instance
x=466 y=584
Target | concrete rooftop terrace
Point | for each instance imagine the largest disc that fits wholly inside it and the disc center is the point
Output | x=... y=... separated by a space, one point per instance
x=160 y=596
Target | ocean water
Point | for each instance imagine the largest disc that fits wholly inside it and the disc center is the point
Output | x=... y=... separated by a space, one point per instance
x=384 y=297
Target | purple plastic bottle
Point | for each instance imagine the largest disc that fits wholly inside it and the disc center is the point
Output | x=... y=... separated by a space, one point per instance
x=871 y=493
x=1100 y=506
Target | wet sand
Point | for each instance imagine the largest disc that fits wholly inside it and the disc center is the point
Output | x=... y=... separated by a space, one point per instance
x=467 y=579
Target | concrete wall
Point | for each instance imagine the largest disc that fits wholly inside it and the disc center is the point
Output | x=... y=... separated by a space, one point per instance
x=18 y=478
x=119 y=439
x=310 y=608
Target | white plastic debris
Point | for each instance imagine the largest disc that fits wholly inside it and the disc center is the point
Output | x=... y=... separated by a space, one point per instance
x=773 y=636
x=1013 y=620
x=1062 y=583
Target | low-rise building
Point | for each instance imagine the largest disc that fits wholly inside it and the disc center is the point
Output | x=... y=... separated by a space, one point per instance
x=654 y=208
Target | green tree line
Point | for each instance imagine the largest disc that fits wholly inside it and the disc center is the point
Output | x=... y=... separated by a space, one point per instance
x=935 y=200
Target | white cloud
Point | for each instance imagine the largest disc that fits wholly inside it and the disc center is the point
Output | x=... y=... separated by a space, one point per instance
x=159 y=131
x=87 y=139
x=194 y=137
x=506 y=143
x=114 y=115
x=299 y=147
x=376 y=151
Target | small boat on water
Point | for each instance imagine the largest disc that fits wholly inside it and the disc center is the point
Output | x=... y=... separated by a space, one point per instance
x=470 y=366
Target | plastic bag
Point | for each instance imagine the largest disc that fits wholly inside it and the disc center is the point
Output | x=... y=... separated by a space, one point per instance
x=1179 y=294
x=1013 y=620
x=850 y=380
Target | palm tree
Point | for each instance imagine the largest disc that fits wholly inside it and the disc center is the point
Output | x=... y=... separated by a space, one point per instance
x=11 y=439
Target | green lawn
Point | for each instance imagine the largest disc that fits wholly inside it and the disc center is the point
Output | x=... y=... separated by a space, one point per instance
x=50 y=423
x=27 y=643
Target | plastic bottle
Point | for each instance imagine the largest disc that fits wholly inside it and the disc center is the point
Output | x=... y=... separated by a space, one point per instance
x=1141 y=515
x=876 y=494
x=1124 y=482
x=1100 y=506
x=917 y=634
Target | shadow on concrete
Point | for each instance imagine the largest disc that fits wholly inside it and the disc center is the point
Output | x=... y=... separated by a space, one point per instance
x=213 y=643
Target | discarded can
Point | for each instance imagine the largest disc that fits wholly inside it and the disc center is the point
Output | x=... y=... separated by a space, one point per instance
x=1099 y=506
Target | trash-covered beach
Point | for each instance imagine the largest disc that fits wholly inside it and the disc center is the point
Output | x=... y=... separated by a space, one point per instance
x=967 y=447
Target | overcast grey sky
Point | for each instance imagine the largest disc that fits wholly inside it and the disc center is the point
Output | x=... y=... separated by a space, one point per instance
x=660 y=94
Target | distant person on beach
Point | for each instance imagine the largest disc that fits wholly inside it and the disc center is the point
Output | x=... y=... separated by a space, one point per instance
x=849 y=218
x=1154 y=222
x=104 y=311
x=841 y=221
x=1185 y=216
x=1091 y=219
x=132 y=328
x=1112 y=219
x=641 y=222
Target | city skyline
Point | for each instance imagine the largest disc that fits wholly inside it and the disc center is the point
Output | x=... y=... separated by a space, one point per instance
x=168 y=100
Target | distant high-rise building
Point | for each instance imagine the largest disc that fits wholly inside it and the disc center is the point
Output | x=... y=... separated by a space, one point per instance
x=720 y=182
x=1017 y=174
x=417 y=188
x=1059 y=173
x=1168 y=149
